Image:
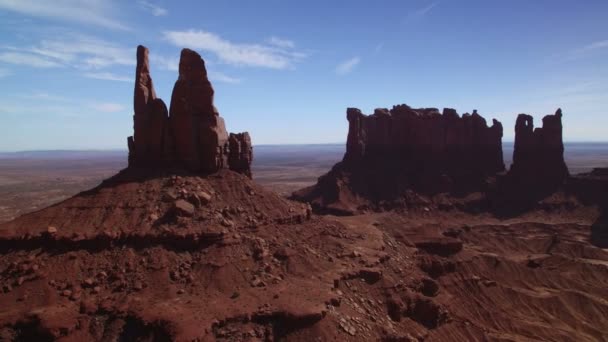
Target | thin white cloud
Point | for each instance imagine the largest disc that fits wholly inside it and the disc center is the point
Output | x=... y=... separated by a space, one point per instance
x=27 y=59
x=171 y=63
x=155 y=9
x=241 y=54
x=4 y=73
x=44 y=97
x=93 y=12
x=283 y=43
x=420 y=12
x=347 y=66
x=107 y=76
x=378 y=48
x=108 y=107
x=595 y=45
x=75 y=50
x=221 y=77
x=588 y=49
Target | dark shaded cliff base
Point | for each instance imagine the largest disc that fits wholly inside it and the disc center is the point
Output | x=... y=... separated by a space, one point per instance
x=174 y=256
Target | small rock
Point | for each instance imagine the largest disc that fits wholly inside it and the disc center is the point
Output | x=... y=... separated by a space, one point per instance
x=87 y=307
x=180 y=291
x=257 y=282
x=183 y=208
x=204 y=197
x=66 y=293
x=75 y=296
x=169 y=196
x=489 y=283
x=89 y=282
x=235 y=295
x=51 y=230
x=138 y=286
x=96 y=289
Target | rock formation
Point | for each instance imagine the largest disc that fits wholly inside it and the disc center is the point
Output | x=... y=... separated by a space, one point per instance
x=191 y=134
x=425 y=141
x=538 y=156
x=394 y=150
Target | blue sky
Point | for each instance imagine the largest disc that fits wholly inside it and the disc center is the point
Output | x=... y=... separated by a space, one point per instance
x=286 y=70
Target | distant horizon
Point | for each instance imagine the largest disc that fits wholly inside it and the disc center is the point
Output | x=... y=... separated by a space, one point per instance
x=117 y=149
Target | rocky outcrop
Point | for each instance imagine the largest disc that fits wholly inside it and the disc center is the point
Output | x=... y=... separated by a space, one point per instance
x=425 y=141
x=241 y=153
x=150 y=118
x=538 y=156
x=393 y=151
x=191 y=134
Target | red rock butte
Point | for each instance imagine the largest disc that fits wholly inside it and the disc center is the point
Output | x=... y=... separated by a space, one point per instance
x=191 y=134
x=425 y=141
x=538 y=155
x=392 y=153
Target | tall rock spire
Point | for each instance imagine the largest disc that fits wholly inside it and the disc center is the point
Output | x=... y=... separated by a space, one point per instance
x=192 y=134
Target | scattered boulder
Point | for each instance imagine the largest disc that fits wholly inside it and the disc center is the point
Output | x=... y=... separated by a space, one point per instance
x=183 y=208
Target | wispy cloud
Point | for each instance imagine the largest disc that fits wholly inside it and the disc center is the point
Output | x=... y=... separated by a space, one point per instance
x=588 y=49
x=27 y=59
x=165 y=63
x=347 y=66
x=241 y=54
x=283 y=43
x=108 y=107
x=420 y=12
x=221 y=77
x=44 y=97
x=378 y=48
x=75 y=50
x=93 y=12
x=155 y=9
x=107 y=76
x=57 y=105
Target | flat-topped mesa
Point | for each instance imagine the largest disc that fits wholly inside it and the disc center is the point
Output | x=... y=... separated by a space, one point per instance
x=538 y=156
x=191 y=134
x=392 y=152
x=423 y=141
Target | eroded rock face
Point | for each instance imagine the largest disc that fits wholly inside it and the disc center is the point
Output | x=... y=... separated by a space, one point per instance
x=191 y=134
x=392 y=151
x=425 y=141
x=538 y=156
x=241 y=153
x=150 y=118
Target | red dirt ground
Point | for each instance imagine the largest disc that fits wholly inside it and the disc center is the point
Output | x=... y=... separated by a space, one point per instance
x=120 y=263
